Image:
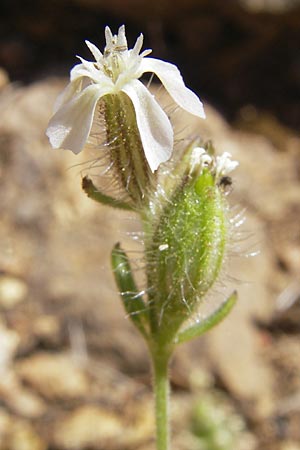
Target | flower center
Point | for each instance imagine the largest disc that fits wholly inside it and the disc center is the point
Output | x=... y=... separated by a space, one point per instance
x=114 y=63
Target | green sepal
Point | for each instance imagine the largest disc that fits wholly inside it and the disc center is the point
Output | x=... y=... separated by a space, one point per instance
x=94 y=193
x=130 y=295
x=205 y=325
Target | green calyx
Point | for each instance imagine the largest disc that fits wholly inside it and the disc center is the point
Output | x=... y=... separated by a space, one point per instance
x=186 y=252
x=126 y=153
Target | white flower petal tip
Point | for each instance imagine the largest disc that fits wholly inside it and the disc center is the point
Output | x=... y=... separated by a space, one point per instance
x=94 y=51
x=172 y=80
x=118 y=70
x=117 y=42
x=199 y=159
x=224 y=165
x=108 y=37
x=70 y=126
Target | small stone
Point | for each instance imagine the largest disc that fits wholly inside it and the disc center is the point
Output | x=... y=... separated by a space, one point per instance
x=9 y=341
x=46 y=328
x=19 y=399
x=12 y=291
x=100 y=428
x=16 y=434
x=290 y=254
x=89 y=427
x=24 y=437
x=4 y=425
x=54 y=376
x=290 y=445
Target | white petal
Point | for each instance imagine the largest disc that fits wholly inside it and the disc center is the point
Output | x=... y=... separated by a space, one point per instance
x=87 y=68
x=225 y=165
x=172 y=80
x=138 y=45
x=69 y=128
x=146 y=52
x=68 y=93
x=90 y=72
x=154 y=126
x=108 y=38
x=81 y=70
x=121 y=38
x=94 y=51
x=76 y=72
x=199 y=159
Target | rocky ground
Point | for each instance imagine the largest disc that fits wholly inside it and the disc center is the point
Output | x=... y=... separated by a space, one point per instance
x=74 y=372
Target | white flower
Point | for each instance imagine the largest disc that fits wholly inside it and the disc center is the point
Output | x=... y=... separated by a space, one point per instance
x=224 y=165
x=199 y=159
x=118 y=70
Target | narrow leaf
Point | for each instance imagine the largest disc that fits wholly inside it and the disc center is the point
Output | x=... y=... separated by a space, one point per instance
x=131 y=297
x=94 y=193
x=205 y=325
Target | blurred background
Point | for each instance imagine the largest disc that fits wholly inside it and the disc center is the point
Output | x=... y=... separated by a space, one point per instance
x=74 y=374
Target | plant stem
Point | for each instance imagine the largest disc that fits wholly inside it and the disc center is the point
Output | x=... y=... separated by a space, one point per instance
x=161 y=392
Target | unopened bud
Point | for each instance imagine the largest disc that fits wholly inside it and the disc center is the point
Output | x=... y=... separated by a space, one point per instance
x=189 y=242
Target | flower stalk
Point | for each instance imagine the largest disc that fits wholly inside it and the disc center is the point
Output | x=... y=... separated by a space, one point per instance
x=161 y=388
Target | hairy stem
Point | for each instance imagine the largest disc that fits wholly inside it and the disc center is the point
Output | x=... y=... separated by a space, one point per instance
x=161 y=392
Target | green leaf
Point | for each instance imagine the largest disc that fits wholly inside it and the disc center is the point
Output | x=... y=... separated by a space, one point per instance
x=94 y=193
x=131 y=297
x=205 y=325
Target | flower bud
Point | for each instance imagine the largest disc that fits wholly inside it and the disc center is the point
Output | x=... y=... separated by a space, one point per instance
x=189 y=242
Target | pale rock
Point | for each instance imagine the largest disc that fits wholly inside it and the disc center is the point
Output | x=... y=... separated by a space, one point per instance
x=12 y=291
x=54 y=376
x=24 y=437
x=98 y=428
x=9 y=341
x=5 y=421
x=16 y=434
x=46 y=327
x=89 y=426
x=19 y=399
x=289 y=445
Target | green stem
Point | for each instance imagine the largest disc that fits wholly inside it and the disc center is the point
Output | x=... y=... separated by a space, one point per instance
x=161 y=392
